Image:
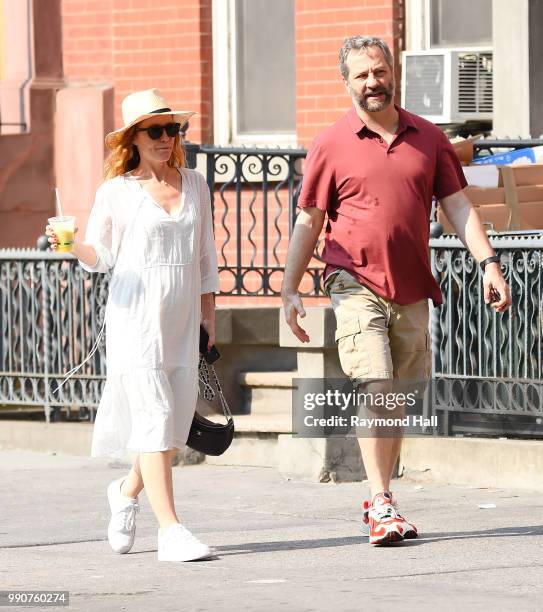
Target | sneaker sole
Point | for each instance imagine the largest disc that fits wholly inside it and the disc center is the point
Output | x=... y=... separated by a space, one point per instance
x=200 y=557
x=123 y=550
x=391 y=537
x=390 y=533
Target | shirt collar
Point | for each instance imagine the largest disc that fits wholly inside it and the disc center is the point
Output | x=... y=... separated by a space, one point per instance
x=358 y=126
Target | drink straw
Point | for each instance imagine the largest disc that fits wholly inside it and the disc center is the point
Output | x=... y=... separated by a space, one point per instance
x=58 y=202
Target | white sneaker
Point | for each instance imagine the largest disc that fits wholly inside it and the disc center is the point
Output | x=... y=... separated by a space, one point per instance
x=122 y=525
x=176 y=543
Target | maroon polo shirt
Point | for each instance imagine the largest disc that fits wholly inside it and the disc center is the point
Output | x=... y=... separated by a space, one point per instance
x=378 y=199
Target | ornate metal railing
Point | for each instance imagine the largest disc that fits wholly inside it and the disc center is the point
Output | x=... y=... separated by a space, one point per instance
x=255 y=193
x=51 y=311
x=487 y=366
x=490 y=146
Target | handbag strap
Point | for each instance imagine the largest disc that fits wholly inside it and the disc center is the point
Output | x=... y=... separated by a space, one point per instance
x=206 y=372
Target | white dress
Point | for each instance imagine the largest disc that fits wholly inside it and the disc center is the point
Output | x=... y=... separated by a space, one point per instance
x=161 y=266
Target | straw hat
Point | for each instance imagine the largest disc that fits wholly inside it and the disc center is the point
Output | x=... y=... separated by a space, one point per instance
x=141 y=105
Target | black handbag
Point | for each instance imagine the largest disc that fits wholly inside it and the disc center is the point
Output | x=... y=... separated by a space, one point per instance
x=206 y=436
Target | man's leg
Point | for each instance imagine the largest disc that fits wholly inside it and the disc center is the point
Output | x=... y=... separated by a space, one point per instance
x=363 y=321
x=409 y=351
x=379 y=450
x=364 y=352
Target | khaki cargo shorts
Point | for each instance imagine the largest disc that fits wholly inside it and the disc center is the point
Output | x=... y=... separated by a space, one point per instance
x=378 y=339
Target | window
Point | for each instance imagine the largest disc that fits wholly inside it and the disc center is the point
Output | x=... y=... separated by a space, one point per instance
x=460 y=23
x=254 y=72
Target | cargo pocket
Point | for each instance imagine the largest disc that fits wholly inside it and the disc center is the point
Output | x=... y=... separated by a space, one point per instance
x=355 y=361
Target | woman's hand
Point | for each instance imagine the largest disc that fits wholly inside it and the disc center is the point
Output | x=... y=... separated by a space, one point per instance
x=53 y=238
x=208 y=317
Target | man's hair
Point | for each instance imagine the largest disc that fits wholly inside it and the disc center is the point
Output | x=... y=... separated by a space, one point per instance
x=361 y=43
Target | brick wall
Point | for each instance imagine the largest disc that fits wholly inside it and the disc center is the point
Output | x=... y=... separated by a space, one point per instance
x=137 y=44
x=87 y=42
x=321 y=26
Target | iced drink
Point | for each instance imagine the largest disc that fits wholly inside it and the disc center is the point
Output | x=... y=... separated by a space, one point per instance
x=64 y=228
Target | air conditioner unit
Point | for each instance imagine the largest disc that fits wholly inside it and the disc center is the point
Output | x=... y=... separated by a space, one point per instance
x=448 y=85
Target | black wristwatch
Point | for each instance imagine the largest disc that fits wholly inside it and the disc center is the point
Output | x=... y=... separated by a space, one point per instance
x=485 y=262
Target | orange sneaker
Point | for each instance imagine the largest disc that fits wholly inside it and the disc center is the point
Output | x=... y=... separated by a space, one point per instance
x=383 y=523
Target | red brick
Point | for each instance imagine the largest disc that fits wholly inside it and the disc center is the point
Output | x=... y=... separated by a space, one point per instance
x=142 y=43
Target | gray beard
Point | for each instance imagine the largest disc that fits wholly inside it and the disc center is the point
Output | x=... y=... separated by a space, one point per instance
x=374 y=107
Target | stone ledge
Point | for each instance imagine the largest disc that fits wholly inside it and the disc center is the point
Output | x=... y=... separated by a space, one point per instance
x=276 y=424
x=479 y=462
x=267 y=379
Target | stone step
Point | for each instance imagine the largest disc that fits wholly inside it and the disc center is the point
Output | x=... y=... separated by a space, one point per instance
x=267 y=393
x=281 y=380
x=255 y=440
x=267 y=441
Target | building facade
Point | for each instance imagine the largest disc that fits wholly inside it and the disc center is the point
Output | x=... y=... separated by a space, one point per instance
x=257 y=72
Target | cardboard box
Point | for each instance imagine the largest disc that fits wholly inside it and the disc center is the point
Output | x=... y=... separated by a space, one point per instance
x=523 y=175
x=464 y=148
x=481 y=176
x=515 y=204
x=481 y=196
x=529 y=216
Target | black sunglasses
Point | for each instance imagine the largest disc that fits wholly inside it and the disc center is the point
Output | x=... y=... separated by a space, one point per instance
x=155 y=131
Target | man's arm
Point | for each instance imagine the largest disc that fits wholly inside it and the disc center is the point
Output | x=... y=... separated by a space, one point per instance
x=470 y=230
x=302 y=243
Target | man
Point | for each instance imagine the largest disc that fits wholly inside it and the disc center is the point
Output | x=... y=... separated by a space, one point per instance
x=373 y=173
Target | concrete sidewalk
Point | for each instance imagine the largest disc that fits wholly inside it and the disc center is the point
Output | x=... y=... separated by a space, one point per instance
x=282 y=544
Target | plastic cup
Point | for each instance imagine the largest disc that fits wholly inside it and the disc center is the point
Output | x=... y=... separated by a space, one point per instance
x=64 y=228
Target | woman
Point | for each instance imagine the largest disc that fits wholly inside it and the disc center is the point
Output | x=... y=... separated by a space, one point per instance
x=151 y=222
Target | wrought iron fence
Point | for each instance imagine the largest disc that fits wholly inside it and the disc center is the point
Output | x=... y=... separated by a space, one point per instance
x=255 y=193
x=51 y=310
x=487 y=366
x=491 y=146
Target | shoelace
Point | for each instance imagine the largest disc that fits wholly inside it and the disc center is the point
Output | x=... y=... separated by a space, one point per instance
x=126 y=519
x=366 y=510
x=386 y=510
